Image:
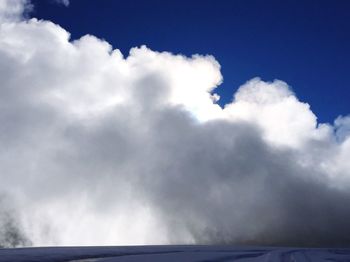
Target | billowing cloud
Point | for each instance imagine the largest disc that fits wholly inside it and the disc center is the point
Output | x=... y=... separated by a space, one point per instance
x=13 y=10
x=97 y=148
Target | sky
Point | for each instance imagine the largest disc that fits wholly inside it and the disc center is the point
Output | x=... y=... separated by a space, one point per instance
x=111 y=134
x=305 y=44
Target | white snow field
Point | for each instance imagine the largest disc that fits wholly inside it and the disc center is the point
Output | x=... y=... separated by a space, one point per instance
x=173 y=253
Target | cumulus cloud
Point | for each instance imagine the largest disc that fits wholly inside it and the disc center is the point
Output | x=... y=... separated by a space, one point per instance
x=13 y=10
x=97 y=148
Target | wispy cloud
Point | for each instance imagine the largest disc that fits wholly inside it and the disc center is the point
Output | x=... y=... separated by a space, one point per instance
x=62 y=2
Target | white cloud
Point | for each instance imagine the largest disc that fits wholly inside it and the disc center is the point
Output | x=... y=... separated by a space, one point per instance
x=342 y=126
x=13 y=10
x=273 y=106
x=62 y=2
x=101 y=149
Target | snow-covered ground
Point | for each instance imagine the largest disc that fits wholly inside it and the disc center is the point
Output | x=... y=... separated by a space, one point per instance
x=173 y=253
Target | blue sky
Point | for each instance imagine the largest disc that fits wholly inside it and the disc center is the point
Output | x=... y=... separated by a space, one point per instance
x=305 y=43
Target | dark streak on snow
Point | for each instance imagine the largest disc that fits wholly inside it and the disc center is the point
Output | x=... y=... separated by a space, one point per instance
x=172 y=253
